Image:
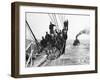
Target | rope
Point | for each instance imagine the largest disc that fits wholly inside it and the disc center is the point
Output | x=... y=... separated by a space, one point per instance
x=51 y=18
x=61 y=22
x=54 y=19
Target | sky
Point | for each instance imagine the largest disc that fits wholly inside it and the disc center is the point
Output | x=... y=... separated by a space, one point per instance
x=39 y=23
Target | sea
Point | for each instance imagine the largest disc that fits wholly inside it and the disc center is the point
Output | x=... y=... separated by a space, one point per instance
x=74 y=55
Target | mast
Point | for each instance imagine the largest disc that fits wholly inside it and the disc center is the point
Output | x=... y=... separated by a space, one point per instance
x=32 y=34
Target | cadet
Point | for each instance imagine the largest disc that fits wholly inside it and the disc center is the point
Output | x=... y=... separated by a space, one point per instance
x=65 y=29
x=66 y=25
x=51 y=26
x=43 y=43
x=64 y=34
x=47 y=38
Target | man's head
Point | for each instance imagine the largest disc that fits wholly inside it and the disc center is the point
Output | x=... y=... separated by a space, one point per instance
x=46 y=32
x=42 y=37
x=51 y=24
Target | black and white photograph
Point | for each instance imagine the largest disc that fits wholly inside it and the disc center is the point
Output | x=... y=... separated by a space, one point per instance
x=57 y=39
x=53 y=39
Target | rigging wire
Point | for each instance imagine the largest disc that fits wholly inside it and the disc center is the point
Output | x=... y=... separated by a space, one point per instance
x=61 y=22
x=55 y=20
x=52 y=20
x=63 y=17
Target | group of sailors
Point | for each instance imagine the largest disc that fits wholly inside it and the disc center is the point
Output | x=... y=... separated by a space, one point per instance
x=55 y=38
